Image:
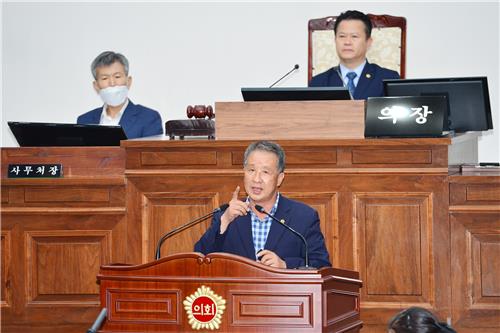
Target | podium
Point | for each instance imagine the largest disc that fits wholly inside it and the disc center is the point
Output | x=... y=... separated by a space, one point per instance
x=190 y=292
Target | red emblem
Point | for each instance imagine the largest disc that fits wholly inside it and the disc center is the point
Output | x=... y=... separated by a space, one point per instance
x=204 y=309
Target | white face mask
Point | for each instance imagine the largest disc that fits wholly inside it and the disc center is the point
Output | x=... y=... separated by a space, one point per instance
x=114 y=96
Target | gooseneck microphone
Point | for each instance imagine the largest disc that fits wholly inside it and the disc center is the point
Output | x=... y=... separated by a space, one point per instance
x=284 y=76
x=185 y=226
x=282 y=223
x=337 y=69
x=98 y=322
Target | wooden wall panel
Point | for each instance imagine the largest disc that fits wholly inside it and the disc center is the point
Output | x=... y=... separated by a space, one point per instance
x=73 y=194
x=481 y=190
x=56 y=256
x=56 y=234
x=4 y=194
x=157 y=205
x=272 y=309
x=182 y=158
x=166 y=211
x=384 y=156
x=326 y=204
x=80 y=162
x=394 y=243
x=60 y=265
x=31 y=195
x=6 y=269
x=485 y=192
x=475 y=246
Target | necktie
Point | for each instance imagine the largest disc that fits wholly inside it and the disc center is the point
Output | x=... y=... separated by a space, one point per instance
x=350 y=82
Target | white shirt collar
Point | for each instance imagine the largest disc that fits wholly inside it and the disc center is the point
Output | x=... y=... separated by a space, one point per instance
x=107 y=120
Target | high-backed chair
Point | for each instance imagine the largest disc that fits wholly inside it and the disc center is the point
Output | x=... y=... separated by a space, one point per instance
x=388 y=48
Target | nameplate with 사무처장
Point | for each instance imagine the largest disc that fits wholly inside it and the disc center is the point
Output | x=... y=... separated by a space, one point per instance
x=35 y=171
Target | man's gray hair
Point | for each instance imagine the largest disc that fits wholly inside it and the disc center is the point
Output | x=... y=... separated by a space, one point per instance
x=107 y=58
x=268 y=146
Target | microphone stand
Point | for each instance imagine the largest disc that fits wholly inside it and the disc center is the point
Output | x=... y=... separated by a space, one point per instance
x=98 y=322
x=281 y=78
x=282 y=223
x=186 y=226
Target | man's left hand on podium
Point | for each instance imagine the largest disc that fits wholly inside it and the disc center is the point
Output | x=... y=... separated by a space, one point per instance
x=270 y=258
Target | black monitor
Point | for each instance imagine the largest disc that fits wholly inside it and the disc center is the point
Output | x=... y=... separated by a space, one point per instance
x=30 y=134
x=295 y=94
x=468 y=99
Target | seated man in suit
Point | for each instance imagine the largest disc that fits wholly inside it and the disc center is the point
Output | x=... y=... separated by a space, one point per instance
x=112 y=82
x=352 y=40
x=244 y=231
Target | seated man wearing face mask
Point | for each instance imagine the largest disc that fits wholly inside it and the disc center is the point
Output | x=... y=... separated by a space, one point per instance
x=112 y=82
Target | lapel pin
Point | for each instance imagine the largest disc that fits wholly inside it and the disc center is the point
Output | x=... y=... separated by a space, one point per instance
x=368 y=76
x=282 y=221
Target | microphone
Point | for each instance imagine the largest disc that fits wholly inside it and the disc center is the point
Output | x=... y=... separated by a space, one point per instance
x=282 y=222
x=185 y=226
x=98 y=322
x=281 y=78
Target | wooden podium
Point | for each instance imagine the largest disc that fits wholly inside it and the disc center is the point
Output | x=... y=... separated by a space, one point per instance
x=162 y=296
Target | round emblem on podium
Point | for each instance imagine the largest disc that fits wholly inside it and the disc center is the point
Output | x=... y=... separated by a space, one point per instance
x=204 y=309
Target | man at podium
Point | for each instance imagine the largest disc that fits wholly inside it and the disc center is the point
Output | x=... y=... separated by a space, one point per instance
x=247 y=228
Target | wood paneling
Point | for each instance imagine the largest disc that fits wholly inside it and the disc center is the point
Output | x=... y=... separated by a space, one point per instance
x=5 y=195
x=396 y=156
x=383 y=207
x=60 y=265
x=6 y=269
x=393 y=236
x=271 y=309
x=179 y=158
x=66 y=195
x=290 y=119
x=80 y=162
x=475 y=250
x=483 y=192
x=326 y=204
x=384 y=214
x=166 y=211
x=139 y=305
x=56 y=234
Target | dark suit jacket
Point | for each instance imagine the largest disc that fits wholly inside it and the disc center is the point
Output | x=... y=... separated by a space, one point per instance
x=238 y=237
x=137 y=121
x=369 y=84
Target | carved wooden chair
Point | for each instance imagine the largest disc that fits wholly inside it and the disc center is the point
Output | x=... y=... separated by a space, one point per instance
x=388 y=48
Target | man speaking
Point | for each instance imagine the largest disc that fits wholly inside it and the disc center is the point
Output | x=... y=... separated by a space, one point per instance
x=243 y=230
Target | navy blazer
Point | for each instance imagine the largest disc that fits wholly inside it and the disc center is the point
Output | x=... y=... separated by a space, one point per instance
x=137 y=121
x=369 y=84
x=237 y=238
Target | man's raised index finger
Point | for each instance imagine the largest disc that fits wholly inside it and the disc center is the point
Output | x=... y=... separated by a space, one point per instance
x=236 y=192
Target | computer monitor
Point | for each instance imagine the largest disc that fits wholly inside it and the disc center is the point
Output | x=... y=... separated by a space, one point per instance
x=295 y=94
x=468 y=99
x=31 y=134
